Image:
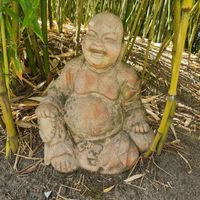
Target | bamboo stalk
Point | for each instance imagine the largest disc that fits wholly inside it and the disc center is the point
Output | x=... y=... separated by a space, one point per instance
x=134 y=26
x=128 y=51
x=59 y=13
x=12 y=28
x=156 y=9
x=15 y=23
x=2 y=124
x=163 y=128
x=170 y=105
x=187 y=5
x=147 y=20
x=50 y=15
x=36 y=50
x=79 y=13
x=123 y=9
x=177 y=18
x=165 y=43
x=131 y=12
x=45 y=38
x=12 y=140
x=194 y=28
x=5 y=55
x=29 y=52
x=168 y=124
x=162 y=21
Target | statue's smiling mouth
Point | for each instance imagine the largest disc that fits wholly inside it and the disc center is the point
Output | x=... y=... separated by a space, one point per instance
x=96 y=53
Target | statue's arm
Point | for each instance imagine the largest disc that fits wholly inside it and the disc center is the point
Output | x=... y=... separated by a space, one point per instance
x=135 y=115
x=58 y=90
x=52 y=104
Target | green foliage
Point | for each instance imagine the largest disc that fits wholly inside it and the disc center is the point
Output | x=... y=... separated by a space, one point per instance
x=10 y=13
x=30 y=20
x=139 y=19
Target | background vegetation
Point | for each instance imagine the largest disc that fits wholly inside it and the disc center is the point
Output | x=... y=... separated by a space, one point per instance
x=162 y=21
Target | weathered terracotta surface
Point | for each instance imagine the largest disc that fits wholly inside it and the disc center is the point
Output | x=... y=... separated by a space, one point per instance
x=92 y=116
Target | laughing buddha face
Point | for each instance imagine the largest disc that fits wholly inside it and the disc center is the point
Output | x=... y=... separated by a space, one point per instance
x=103 y=41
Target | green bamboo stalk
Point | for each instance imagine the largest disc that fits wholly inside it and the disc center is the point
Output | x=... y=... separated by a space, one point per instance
x=165 y=43
x=162 y=128
x=169 y=15
x=45 y=38
x=162 y=21
x=88 y=12
x=101 y=5
x=30 y=53
x=12 y=140
x=117 y=8
x=50 y=15
x=105 y=5
x=13 y=30
x=186 y=7
x=168 y=124
x=170 y=105
x=156 y=9
x=177 y=18
x=194 y=29
x=147 y=20
x=36 y=50
x=128 y=51
x=130 y=19
x=2 y=124
x=110 y=8
x=79 y=13
x=123 y=9
x=59 y=11
x=15 y=23
x=134 y=26
x=194 y=8
x=5 y=55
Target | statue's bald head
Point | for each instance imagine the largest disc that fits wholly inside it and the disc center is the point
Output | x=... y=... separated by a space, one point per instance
x=109 y=21
x=103 y=40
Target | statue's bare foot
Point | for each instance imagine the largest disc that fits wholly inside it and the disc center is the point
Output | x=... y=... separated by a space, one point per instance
x=64 y=163
x=142 y=141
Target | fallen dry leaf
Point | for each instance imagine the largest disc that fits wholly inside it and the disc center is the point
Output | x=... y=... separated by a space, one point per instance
x=134 y=177
x=108 y=189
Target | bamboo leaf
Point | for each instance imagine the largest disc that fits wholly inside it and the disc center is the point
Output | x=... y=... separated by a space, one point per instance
x=17 y=64
x=5 y=2
x=39 y=99
x=9 y=29
x=35 y=4
x=28 y=19
x=1 y=13
x=37 y=30
x=12 y=14
x=30 y=9
x=26 y=6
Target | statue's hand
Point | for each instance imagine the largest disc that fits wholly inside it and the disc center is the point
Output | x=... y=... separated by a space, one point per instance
x=46 y=110
x=140 y=127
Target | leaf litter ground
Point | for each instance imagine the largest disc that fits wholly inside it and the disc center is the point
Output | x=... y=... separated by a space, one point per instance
x=175 y=174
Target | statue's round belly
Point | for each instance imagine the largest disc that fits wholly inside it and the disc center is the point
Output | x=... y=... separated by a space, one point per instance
x=93 y=116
